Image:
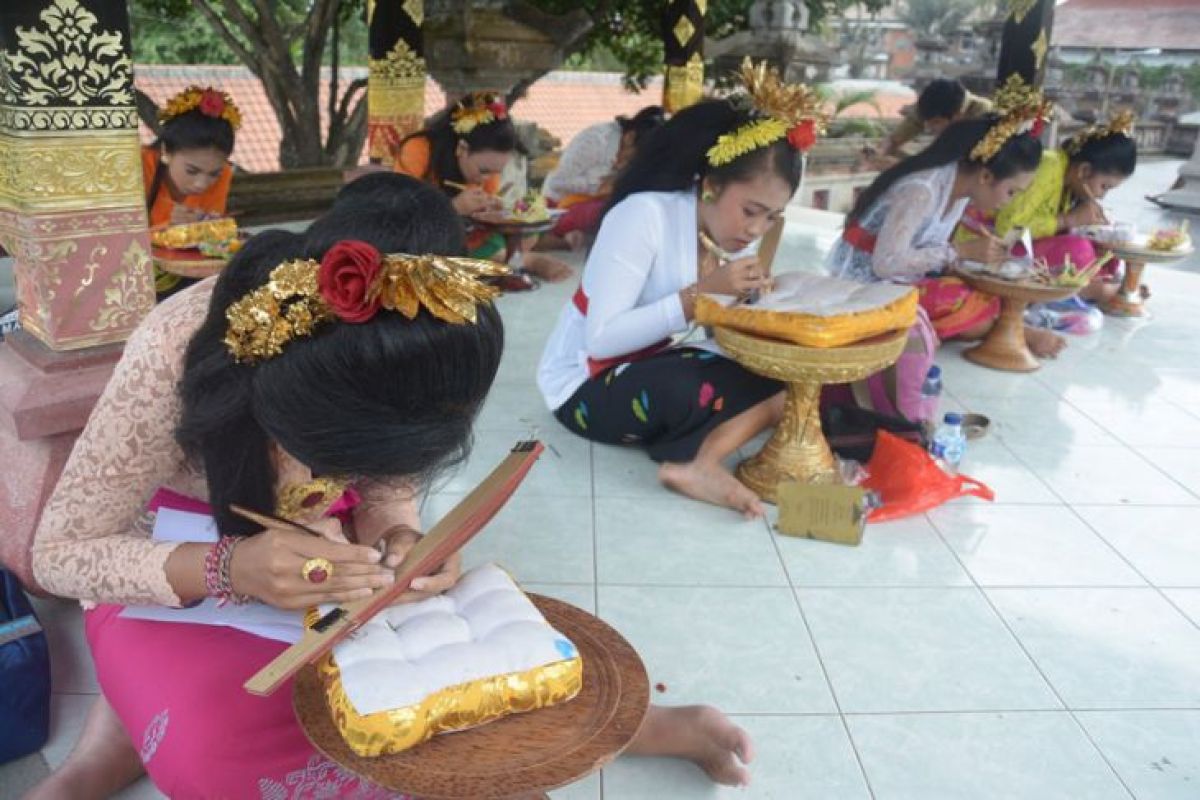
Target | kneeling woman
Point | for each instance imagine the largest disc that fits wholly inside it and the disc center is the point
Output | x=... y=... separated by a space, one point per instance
x=707 y=184
x=1066 y=194
x=224 y=398
x=900 y=228
x=186 y=171
x=463 y=150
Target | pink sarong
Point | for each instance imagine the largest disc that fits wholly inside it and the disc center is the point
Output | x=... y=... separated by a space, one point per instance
x=1057 y=249
x=953 y=307
x=177 y=689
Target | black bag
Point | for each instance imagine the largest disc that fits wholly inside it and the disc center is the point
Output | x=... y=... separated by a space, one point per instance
x=24 y=674
x=850 y=430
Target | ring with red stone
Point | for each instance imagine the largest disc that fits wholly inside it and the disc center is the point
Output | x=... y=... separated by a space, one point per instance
x=317 y=570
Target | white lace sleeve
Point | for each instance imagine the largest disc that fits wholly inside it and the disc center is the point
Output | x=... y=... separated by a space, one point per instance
x=897 y=254
x=586 y=162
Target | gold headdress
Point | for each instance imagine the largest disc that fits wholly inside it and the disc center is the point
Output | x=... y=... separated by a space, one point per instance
x=789 y=110
x=475 y=109
x=209 y=101
x=352 y=283
x=1121 y=122
x=1022 y=110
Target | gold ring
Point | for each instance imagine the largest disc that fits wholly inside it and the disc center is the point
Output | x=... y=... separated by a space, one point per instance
x=317 y=570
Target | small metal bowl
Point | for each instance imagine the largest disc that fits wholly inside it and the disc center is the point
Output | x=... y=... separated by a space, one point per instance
x=975 y=426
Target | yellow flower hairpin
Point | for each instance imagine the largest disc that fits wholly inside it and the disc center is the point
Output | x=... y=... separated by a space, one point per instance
x=1120 y=123
x=208 y=101
x=475 y=109
x=1022 y=109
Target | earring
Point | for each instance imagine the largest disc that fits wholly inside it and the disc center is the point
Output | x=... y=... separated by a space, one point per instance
x=707 y=196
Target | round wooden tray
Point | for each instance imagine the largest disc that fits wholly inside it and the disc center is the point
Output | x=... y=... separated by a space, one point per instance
x=190 y=263
x=1147 y=256
x=517 y=756
x=1004 y=347
x=514 y=227
x=1016 y=290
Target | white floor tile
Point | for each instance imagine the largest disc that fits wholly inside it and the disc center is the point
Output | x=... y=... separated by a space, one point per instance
x=1181 y=463
x=563 y=469
x=67 y=714
x=1153 y=424
x=1154 y=752
x=1188 y=601
x=803 y=756
x=1030 y=546
x=890 y=650
x=745 y=651
x=1092 y=475
x=906 y=552
x=671 y=540
x=1044 y=421
x=991 y=462
x=71 y=667
x=625 y=472
x=1107 y=648
x=1001 y=756
x=1162 y=543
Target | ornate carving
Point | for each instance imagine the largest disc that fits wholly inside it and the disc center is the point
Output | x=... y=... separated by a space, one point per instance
x=415 y=10
x=67 y=61
x=684 y=85
x=129 y=294
x=1018 y=9
x=70 y=172
x=1039 y=49
x=401 y=63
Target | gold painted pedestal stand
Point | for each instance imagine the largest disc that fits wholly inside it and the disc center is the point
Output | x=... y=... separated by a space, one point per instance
x=1128 y=301
x=1004 y=347
x=798 y=450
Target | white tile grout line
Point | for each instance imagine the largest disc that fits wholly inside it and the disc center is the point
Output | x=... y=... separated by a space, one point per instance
x=1033 y=661
x=862 y=768
x=591 y=452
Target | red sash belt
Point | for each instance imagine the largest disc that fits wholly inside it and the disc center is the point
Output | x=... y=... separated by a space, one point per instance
x=859 y=238
x=599 y=365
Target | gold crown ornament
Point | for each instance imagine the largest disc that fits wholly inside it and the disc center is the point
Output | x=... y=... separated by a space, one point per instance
x=475 y=109
x=792 y=111
x=1022 y=109
x=352 y=283
x=208 y=101
x=1119 y=123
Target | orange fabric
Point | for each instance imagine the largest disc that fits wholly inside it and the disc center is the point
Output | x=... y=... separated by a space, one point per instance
x=414 y=159
x=211 y=201
x=576 y=199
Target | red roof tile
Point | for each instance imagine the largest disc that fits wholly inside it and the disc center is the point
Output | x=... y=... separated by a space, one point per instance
x=1167 y=24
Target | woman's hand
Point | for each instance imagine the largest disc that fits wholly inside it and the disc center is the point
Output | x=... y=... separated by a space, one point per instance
x=1089 y=212
x=474 y=200
x=739 y=277
x=982 y=249
x=396 y=542
x=270 y=567
x=183 y=215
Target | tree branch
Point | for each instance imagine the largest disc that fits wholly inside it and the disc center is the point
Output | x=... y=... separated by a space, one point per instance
x=239 y=49
x=316 y=27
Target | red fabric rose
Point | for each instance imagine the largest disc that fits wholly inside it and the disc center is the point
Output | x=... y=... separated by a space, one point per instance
x=803 y=135
x=498 y=109
x=1038 y=125
x=344 y=280
x=212 y=104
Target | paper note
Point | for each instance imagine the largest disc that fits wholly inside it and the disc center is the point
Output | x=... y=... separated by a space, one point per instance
x=821 y=511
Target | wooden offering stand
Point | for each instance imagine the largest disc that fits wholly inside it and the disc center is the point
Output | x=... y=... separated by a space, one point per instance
x=1004 y=346
x=1128 y=300
x=518 y=757
x=189 y=263
x=797 y=450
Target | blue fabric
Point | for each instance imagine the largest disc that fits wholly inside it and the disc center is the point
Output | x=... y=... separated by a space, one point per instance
x=24 y=679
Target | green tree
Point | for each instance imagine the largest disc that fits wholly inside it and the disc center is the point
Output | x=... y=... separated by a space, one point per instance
x=938 y=18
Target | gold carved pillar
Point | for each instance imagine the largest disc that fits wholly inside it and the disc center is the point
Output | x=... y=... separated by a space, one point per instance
x=683 y=43
x=396 y=79
x=71 y=207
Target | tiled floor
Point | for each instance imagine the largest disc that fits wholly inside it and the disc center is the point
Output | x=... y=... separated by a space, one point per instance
x=1044 y=646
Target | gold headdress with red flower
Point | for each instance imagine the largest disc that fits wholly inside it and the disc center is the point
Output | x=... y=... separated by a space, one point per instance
x=208 y=101
x=352 y=283
x=1119 y=123
x=475 y=109
x=791 y=111
x=1022 y=110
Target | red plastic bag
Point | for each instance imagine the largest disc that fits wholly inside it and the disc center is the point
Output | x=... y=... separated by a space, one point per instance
x=909 y=481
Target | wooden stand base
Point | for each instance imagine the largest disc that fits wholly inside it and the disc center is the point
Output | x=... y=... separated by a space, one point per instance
x=797 y=450
x=1004 y=347
x=1128 y=301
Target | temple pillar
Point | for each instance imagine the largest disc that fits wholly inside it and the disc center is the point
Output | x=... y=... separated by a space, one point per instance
x=396 y=77
x=73 y=217
x=1025 y=40
x=683 y=43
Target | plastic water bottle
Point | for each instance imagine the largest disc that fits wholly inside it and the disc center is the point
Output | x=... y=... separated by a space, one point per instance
x=949 y=443
x=931 y=389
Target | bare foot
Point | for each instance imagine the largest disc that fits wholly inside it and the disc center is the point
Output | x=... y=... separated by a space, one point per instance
x=547 y=267
x=1044 y=343
x=1099 y=291
x=575 y=240
x=702 y=735
x=103 y=762
x=712 y=485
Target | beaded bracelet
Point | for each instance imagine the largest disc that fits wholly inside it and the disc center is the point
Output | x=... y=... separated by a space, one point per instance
x=217 y=581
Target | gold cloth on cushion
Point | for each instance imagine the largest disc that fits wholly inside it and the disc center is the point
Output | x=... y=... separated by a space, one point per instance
x=192 y=234
x=815 y=311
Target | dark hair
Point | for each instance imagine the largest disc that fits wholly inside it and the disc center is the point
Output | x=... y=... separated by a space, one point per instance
x=642 y=123
x=389 y=398
x=390 y=220
x=676 y=153
x=1115 y=154
x=941 y=98
x=192 y=130
x=499 y=136
x=1021 y=153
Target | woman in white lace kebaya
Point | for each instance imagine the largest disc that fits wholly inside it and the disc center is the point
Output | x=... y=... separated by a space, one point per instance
x=900 y=228
x=333 y=425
